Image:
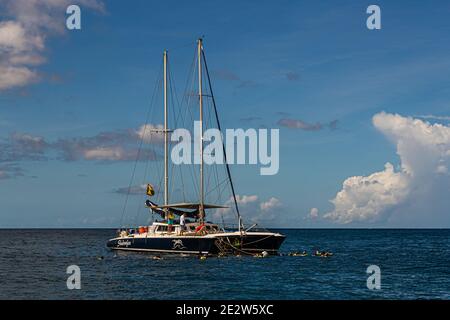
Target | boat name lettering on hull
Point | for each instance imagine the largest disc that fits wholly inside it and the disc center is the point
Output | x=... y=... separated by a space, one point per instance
x=125 y=243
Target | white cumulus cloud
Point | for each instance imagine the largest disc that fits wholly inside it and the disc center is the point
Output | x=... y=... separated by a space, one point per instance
x=271 y=204
x=313 y=214
x=415 y=191
x=151 y=133
x=252 y=209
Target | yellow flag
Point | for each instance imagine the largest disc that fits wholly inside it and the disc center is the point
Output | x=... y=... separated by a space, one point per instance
x=150 y=190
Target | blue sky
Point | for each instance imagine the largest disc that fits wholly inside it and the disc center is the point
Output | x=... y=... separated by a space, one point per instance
x=309 y=61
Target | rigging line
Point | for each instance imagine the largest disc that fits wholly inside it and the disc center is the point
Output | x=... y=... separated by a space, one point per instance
x=159 y=178
x=216 y=178
x=153 y=150
x=176 y=119
x=172 y=117
x=144 y=177
x=183 y=191
x=209 y=124
x=191 y=169
x=215 y=169
x=139 y=151
x=156 y=168
x=180 y=113
x=220 y=191
x=140 y=206
x=190 y=81
x=154 y=142
x=213 y=173
x=217 y=187
x=146 y=152
x=218 y=125
x=187 y=97
x=174 y=96
x=211 y=170
x=189 y=87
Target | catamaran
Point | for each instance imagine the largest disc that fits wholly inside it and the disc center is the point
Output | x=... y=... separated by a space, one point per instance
x=192 y=233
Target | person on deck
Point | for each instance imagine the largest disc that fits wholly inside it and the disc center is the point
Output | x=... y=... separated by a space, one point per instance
x=182 y=223
x=170 y=217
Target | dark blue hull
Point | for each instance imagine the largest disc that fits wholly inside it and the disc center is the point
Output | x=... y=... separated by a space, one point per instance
x=187 y=245
x=248 y=243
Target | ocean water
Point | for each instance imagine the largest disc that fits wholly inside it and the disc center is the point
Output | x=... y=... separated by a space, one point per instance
x=415 y=264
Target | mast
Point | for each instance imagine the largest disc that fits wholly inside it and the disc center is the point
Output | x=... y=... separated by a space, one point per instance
x=166 y=142
x=200 y=94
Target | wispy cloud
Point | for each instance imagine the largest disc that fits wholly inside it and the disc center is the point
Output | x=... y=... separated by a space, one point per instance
x=302 y=125
x=433 y=117
x=247 y=84
x=283 y=113
x=299 y=124
x=133 y=190
x=227 y=75
x=109 y=146
x=333 y=125
x=292 y=76
x=224 y=74
x=10 y=170
x=23 y=36
x=119 y=145
x=22 y=146
x=250 y=119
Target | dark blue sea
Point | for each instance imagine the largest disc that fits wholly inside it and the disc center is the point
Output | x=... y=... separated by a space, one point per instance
x=415 y=264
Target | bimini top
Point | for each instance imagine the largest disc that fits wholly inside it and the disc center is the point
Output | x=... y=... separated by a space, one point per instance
x=175 y=208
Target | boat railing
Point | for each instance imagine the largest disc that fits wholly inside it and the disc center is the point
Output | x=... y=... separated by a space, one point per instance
x=233 y=227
